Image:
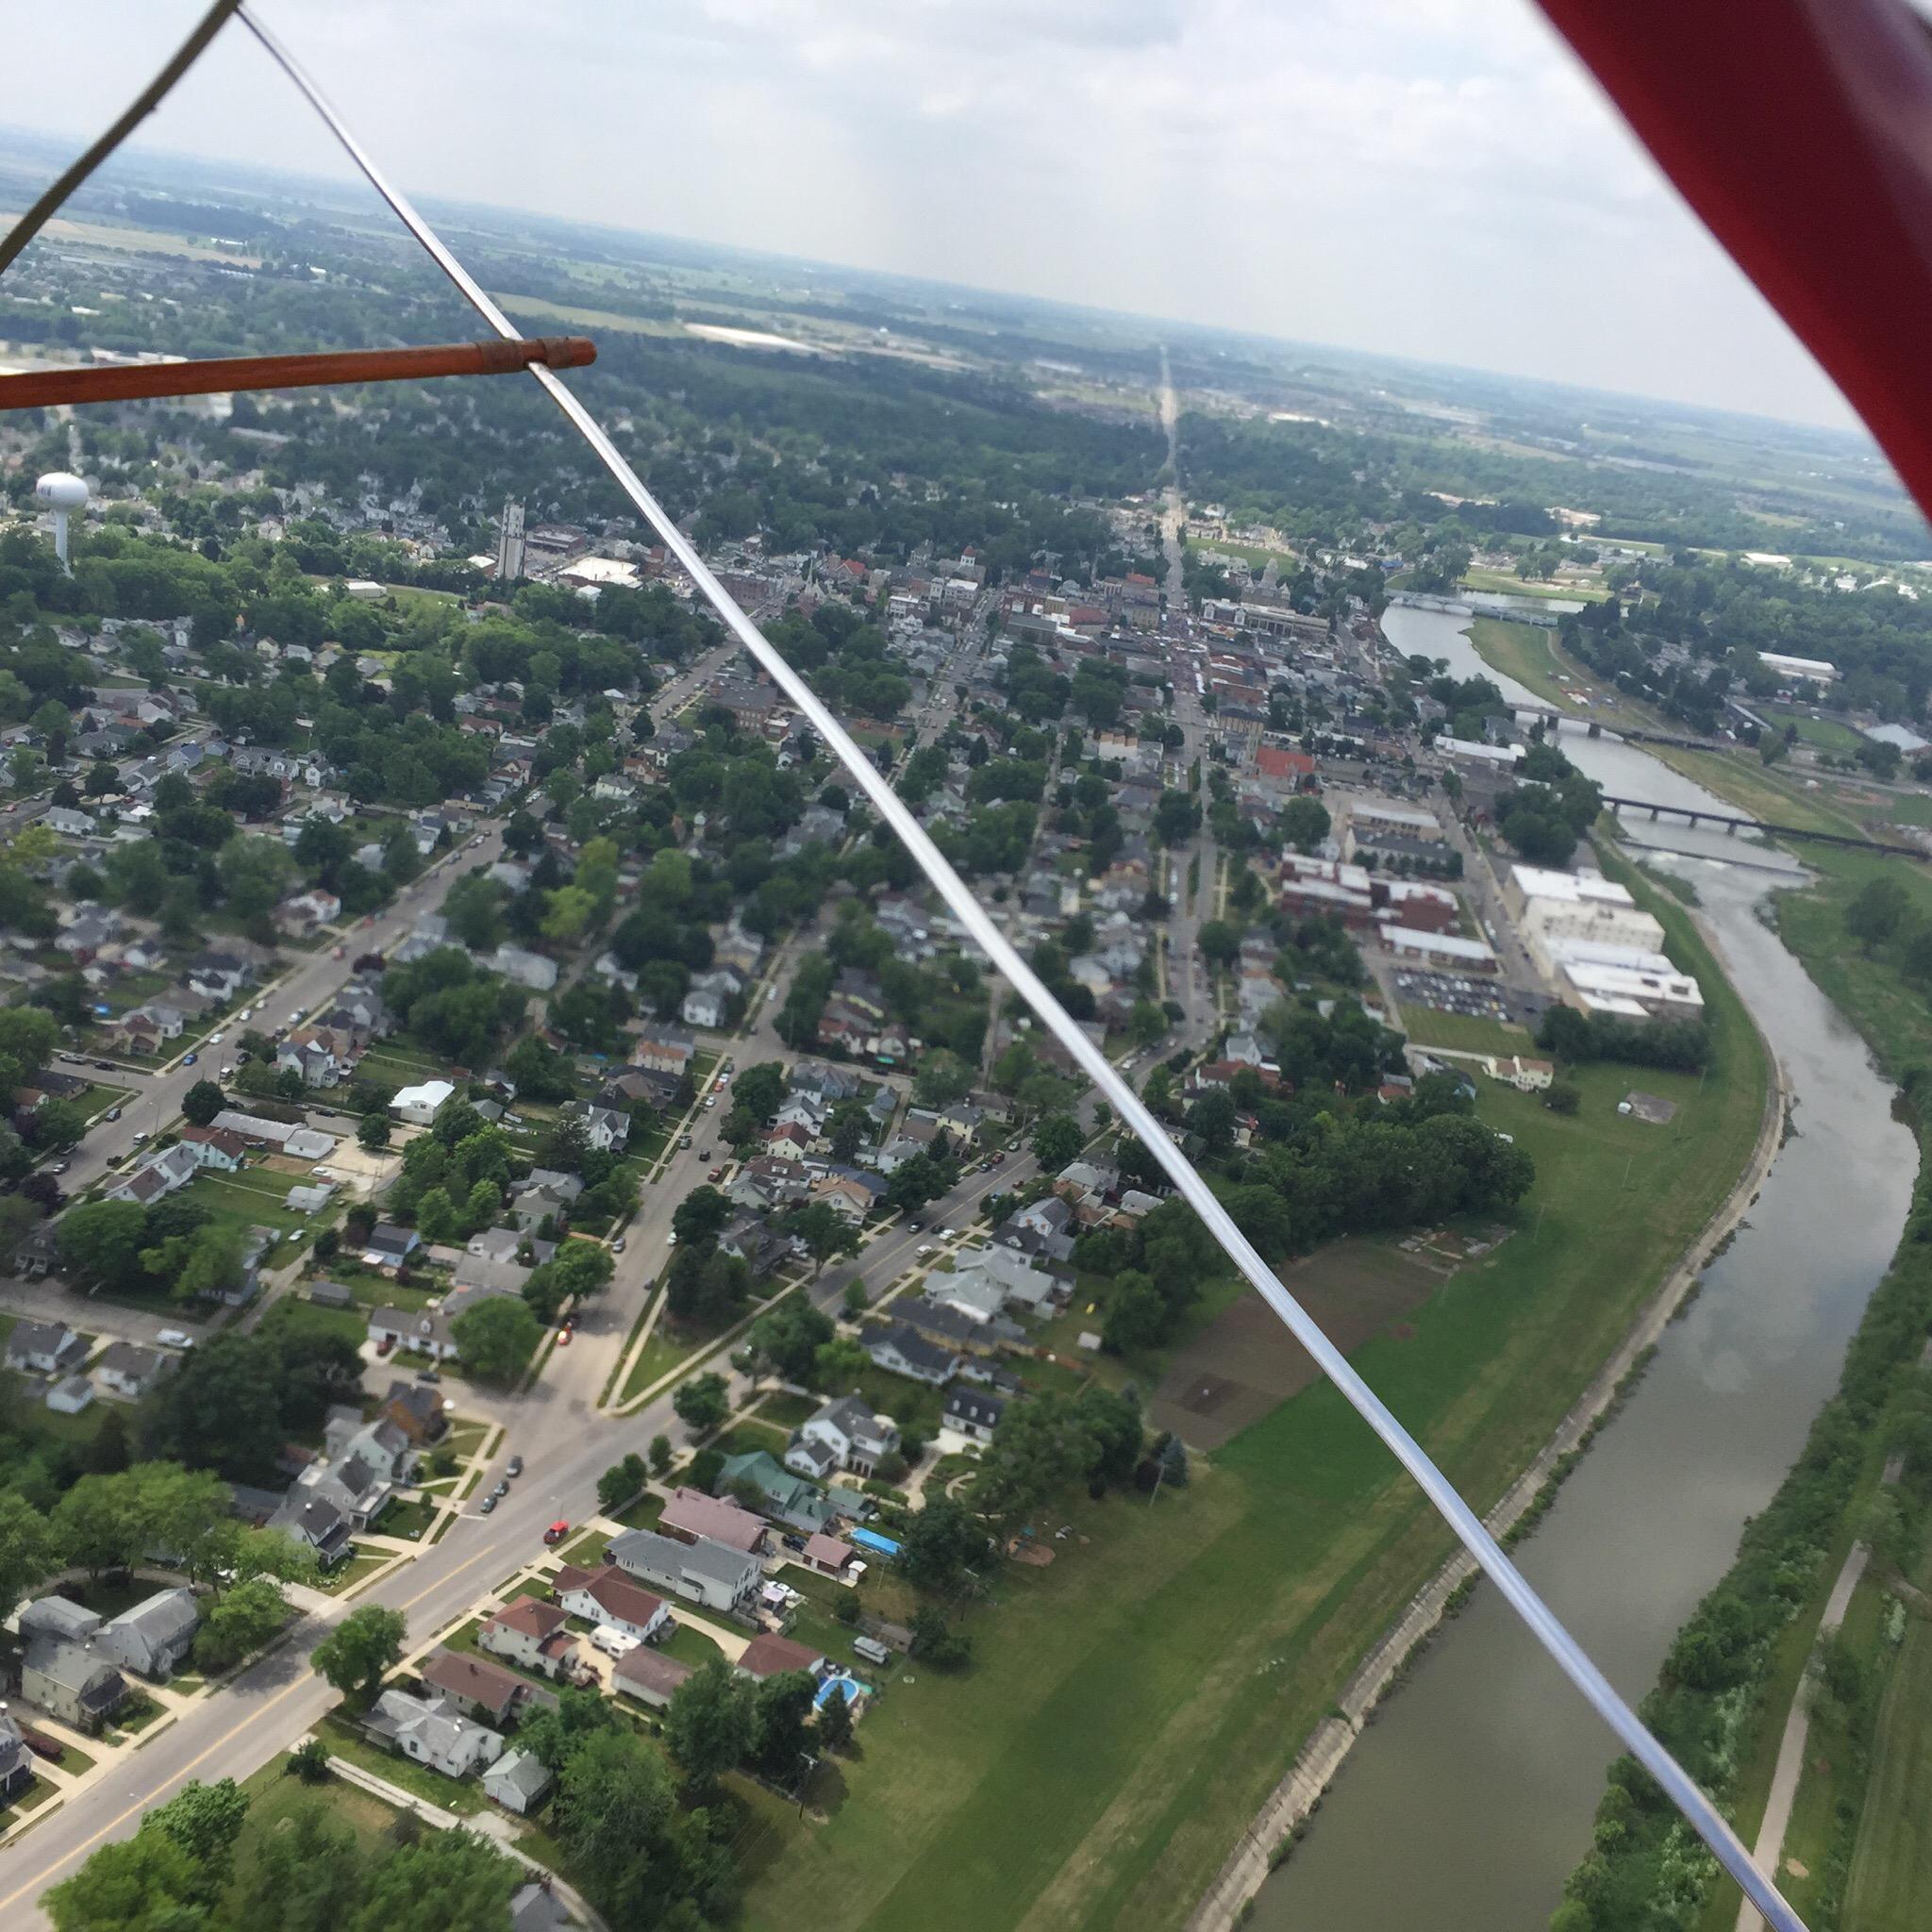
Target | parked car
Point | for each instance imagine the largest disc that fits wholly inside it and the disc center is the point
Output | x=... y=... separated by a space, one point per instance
x=486 y=1506
x=710 y=1101
x=175 y=1338
x=617 y=1246
x=387 y=1343
x=187 y=1059
x=246 y=1014
x=502 y=1488
x=71 y=1059
x=555 y=1533
x=516 y=1465
x=58 y=1166
x=113 y=1113
x=140 y=1135
x=215 y=1038
x=105 y=1066
x=428 y=1376
x=335 y=952
x=717 y=1174
x=563 y=1338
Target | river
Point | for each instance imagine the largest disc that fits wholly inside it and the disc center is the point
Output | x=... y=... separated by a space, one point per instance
x=1465 y=1805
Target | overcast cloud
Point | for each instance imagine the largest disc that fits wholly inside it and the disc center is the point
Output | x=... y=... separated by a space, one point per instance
x=1433 y=178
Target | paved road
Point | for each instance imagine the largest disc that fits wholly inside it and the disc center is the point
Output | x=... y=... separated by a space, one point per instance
x=308 y=984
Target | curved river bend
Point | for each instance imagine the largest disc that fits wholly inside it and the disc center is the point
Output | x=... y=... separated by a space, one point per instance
x=1464 y=1807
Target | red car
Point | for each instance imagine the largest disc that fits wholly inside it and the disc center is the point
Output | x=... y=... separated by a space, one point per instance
x=555 y=1533
x=563 y=1338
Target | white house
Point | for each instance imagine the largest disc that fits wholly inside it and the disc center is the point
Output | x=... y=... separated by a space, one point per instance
x=433 y=1732
x=419 y=1106
x=847 y=1434
x=608 y=1596
x=517 y=1781
x=417 y=1328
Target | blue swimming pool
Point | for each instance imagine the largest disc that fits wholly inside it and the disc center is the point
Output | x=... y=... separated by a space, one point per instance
x=839 y=1685
x=871 y=1539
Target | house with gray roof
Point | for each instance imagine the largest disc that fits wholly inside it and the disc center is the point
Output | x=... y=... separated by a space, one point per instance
x=846 y=1434
x=517 y=1781
x=902 y=1351
x=703 y=1572
x=45 y=1348
x=432 y=1731
x=71 y=1682
x=123 y=1369
x=153 y=1636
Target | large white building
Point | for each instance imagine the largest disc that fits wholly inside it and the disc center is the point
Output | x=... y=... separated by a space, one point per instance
x=1814 y=669
x=1552 y=907
x=1630 y=992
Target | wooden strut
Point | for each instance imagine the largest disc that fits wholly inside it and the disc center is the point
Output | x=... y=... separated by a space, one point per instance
x=40 y=389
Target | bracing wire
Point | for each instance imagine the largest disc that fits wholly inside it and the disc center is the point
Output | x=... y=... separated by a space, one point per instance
x=1681 y=1788
x=143 y=104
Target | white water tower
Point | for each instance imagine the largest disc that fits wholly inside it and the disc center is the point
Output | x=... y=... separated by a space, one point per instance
x=63 y=494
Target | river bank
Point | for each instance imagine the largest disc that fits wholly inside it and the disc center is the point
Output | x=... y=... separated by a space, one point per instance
x=1467 y=1803
x=1301 y=1792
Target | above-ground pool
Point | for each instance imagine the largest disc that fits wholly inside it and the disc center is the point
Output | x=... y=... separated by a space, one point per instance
x=839 y=1685
x=871 y=1539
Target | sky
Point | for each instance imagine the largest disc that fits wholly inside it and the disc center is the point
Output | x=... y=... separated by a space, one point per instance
x=1431 y=178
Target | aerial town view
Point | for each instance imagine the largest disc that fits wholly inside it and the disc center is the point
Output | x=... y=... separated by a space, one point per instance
x=573 y=1352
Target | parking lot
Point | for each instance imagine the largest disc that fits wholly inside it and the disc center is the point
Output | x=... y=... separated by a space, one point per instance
x=1445 y=992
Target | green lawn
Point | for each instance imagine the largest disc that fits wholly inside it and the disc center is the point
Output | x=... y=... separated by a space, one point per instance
x=786 y=1412
x=690 y=1647
x=405 y=1520
x=274 y=1798
x=345 y=1576
x=664 y=1351
x=1463 y=1032
x=586 y=1548
x=1131 y=1705
x=1892 y=1865
x=1827 y=734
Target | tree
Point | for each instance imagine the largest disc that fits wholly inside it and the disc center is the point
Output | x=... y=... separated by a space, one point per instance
x=1057 y=1138
x=614 y=1813
x=854 y=1301
x=789 y=1335
x=701 y=1404
x=446 y=1881
x=781 y=1713
x=1173 y=1463
x=937 y=1645
x=839 y=1363
x=1874 y=915
x=372 y=1132
x=202 y=1102
x=701 y=1214
x=29 y=1549
x=824 y=1232
x=833 y=1730
x=1138 y=1315
x=1219 y=941
x=659 y=1454
x=554 y=1735
x=1304 y=822
x=360 y=1650
x=939 y=1542
x=497 y=1337
x=1563 y=1096
x=238 y=1624
x=100 y=1523
x=708 y=1724
x=203 y=1823
x=620 y=1483
x=1214 y=1117
x=101 y=1240
x=146 y=1883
